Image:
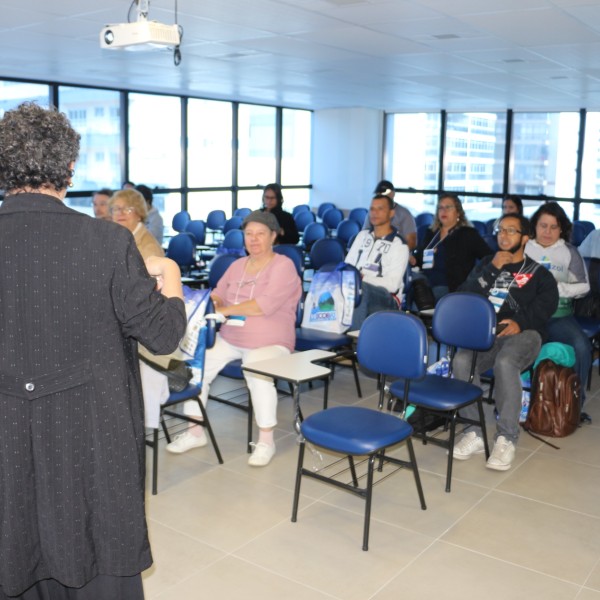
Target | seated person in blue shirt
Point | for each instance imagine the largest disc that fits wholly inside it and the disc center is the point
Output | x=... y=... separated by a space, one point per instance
x=381 y=257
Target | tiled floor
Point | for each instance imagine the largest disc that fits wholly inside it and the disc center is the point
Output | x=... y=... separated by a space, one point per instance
x=224 y=532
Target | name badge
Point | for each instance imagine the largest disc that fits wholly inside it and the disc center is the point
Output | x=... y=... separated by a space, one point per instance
x=497 y=298
x=428 y=258
x=235 y=321
x=371 y=267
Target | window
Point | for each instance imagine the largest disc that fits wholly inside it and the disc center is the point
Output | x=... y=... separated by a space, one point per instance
x=256 y=145
x=209 y=143
x=201 y=203
x=155 y=140
x=13 y=93
x=295 y=147
x=100 y=136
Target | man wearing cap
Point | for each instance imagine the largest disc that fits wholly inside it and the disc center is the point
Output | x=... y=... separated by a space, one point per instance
x=402 y=221
x=381 y=257
x=257 y=296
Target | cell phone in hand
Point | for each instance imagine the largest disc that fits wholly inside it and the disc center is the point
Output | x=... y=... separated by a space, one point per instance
x=501 y=327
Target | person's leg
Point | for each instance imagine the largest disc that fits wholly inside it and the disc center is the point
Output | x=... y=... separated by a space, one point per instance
x=566 y=330
x=373 y=299
x=264 y=402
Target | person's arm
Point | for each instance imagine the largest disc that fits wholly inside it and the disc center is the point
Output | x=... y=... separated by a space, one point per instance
x=167 y=274
x=481 y=278
x=578 y=284
x=411 y=240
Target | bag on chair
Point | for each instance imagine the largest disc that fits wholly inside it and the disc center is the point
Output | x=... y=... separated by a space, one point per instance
x=329 y=304
x=555 y=402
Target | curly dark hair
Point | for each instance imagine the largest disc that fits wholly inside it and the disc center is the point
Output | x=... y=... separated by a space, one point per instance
x=554 y=210
x=37 y=146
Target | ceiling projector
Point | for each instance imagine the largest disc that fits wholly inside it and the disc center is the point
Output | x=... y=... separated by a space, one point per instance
x=140 y=35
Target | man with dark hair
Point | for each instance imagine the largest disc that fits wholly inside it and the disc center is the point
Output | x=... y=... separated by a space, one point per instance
x=402 y=221
x=154 y=222
x=381 y=257
x=100 y=204
x=524 y=295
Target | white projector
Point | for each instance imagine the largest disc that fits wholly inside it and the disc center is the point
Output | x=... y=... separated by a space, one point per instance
x=140 y=35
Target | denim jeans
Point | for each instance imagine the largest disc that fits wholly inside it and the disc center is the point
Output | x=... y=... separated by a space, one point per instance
x=566 y=330
x=509 y=356
x=373 y=298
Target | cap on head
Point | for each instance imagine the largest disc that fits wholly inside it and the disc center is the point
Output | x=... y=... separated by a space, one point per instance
x=263 y=217
x=384 y=187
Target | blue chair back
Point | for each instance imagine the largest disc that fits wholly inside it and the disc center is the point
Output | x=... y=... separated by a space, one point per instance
x=480 y=226
x=326 y=251
x=489 y=224
x=233 y=223
x=182 y=249
x=300 y=208
x=324 y=206
x=218 y=266
x=234 y=239
x=294 y=253
x=303 y=219
x=393 y=344
x=588 y=226
x=346 y=230
x=332 y=218
x=491 y=241
x=216 y=220
x=578 y=234
x=198 y=230
x=242 y=212
x=180 y=221
x=465 y=320
x=421 y=231
x=425 y=218
x=359 y=215
x=312 y=233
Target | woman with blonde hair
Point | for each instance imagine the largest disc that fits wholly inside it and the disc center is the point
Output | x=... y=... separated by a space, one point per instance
x=128 y=208
x=450 y=247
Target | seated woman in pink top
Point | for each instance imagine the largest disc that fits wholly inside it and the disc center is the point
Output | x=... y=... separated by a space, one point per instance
x=260 y=292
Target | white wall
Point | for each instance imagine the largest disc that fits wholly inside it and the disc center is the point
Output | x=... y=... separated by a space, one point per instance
x=347 y=156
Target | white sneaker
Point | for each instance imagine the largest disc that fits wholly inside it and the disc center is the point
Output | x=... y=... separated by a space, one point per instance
x=502 y=455
x=186 y=441
x=470 y=443
x=262 y=454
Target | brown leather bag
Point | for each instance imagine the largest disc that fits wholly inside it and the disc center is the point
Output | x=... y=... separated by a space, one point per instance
x=555 y=403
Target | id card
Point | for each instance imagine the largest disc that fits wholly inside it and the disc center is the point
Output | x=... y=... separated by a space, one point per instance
x=497 y=297
x=374 y=267
x=428 y=258
x=235 y=321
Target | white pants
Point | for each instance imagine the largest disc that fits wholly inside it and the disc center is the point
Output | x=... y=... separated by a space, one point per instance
x=262 y=389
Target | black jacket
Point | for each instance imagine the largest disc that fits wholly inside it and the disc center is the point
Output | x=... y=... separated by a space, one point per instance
x=287 y=223
x=463 y=246
x=532 y=292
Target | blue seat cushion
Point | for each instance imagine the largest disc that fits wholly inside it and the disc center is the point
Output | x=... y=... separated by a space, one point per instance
x=438 y=393
x=354 y=430
x=191 y=391
x=233 y=370
x=313 y=339
x=589 y=325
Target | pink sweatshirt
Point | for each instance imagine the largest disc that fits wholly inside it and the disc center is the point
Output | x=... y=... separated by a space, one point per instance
x=276 y=289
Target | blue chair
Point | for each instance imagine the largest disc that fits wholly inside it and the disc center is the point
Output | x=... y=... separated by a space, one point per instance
x=233 y=223
x=234 y=240
x=346 y=230
x=359 y=215
x=490 y=225
x=303 y=219
x=300 y=208
x=215 y=221
x=421 y=231
x=481 y=227
x=588 y=226
x=324 y=206
x=180 y=221
x=391 y=344
x=491 y=241
x=218 y=266
x=182 y=249
x=578 y=234
x=332 y=218
x=198 y=229
x=461 y=320
x=294 y=253
x=242 y=212
x=326 y=251
x=425 y=218
x=191 y=392
x=312 y=233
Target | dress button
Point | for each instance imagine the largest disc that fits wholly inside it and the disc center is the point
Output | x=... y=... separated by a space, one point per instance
x=30 y=386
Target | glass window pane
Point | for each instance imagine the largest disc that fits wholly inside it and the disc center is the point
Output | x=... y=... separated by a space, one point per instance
x=590 y=169
x=251 y=199
x=201 y=203
x=295 y=197
x=94 y=114
x=412 y=150
x=209 y=143
x=544 y=153
x=256 y=145
x=415 y=203
x=475 y=147
x=295 y=147
x=155 y=140
x=168 y=205
x=13 y=93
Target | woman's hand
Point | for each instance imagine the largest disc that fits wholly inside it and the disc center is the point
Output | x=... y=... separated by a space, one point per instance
x=167 y=275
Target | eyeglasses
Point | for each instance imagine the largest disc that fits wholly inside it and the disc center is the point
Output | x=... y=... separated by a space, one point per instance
x=446 y=207
x=506 y=231
x=545 y=227
x=117 y=210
